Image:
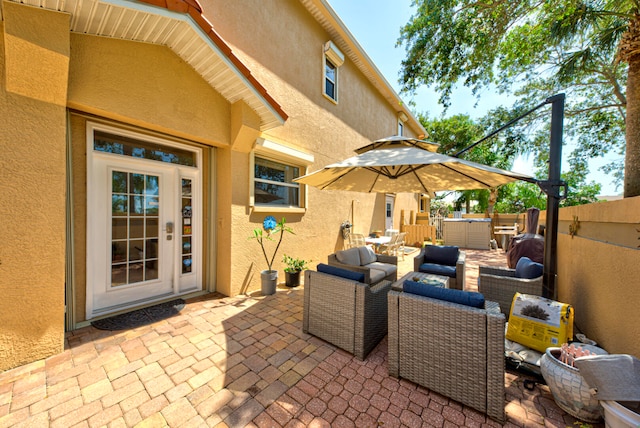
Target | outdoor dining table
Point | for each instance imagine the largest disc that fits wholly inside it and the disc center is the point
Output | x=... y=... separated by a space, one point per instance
x=377 y=242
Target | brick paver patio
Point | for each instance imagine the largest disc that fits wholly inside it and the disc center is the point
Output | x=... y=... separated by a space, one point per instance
x=241 y=361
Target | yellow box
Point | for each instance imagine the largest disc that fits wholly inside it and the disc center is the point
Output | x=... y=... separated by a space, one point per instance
x=539 y=323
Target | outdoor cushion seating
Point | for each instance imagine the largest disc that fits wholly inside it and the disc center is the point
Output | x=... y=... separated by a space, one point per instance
x=375 y=267
x=449 y=348
x=349 y=314
x=501 y=284
x=442 y=260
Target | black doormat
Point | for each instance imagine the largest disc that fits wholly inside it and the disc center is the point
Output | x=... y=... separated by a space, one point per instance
x=140 y=317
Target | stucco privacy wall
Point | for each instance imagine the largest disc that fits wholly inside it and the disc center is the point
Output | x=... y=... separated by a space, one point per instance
x=166 y=96
x=34 y=58
x=284 y=52
x=599 y=271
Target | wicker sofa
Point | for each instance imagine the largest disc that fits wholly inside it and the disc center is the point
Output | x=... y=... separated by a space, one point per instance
x=346 y=312
x=452 y=349
x=442 y=260
x=375 y=267
x=501 y=284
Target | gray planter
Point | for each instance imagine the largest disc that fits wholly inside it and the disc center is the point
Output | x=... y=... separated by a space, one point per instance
x=269 y=280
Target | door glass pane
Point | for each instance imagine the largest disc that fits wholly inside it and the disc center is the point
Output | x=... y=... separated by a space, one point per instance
x=187 y=202
x=125 y=146
x=135 y=228
x=119 y=228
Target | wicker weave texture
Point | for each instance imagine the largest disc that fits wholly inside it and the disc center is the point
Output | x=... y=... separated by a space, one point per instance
x=349 y=314
x=451 y=349
x=500 y=285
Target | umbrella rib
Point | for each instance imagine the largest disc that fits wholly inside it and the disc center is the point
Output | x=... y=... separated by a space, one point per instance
x=336 y=179
x=466 y=175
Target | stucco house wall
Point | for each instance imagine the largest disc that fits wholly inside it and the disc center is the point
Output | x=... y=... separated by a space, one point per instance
x=149 y=89
x=32 y=179
x=284 y=50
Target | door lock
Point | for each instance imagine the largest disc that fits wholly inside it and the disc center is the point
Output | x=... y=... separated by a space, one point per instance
x=169 y=229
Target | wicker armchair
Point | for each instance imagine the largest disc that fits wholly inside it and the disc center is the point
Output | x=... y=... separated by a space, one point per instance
x=454 y=350
x=442 y=260
x=347 y=313
x=501 y=284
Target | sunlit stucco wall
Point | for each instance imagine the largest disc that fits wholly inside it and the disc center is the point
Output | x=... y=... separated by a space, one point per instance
x=599 y=271
x=34 y=58
x=150 y=88
x=284 y=51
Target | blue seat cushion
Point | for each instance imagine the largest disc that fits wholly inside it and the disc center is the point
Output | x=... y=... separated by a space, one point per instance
x=467 y=298
x=528 y=269
x=441 y=255
x=343 y=273
x=437 y=269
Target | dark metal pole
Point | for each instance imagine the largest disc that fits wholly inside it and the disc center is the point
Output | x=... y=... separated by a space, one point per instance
x=550 y=265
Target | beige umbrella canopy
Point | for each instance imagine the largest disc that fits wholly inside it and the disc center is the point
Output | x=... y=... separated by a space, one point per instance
x=401 y=168
x=399 y=141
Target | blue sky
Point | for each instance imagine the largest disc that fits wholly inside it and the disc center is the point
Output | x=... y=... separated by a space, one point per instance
x=376 y=24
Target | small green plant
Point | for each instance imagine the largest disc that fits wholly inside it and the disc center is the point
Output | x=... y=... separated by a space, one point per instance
x=294 y=265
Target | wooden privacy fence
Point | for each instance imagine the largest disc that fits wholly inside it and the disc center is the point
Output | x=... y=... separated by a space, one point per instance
x=418 y=233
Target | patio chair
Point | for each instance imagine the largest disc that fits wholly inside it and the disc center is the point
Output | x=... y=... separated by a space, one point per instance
x=395 y=247
x=375 y=267
x=341 y=309
x=356 y=240
x=450 y=348
x=442 y=260
x=501 y=284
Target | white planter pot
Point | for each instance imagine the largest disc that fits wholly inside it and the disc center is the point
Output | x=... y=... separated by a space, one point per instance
x=618 y=416
x=570 y=391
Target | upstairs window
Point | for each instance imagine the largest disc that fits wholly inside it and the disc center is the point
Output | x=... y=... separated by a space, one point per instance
x=330 y=80
x=333 y=59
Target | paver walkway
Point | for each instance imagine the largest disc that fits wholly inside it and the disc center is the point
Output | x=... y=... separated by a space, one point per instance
x=241 y=361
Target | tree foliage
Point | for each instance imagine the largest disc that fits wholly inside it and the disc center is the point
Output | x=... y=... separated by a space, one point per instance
x=535 y=49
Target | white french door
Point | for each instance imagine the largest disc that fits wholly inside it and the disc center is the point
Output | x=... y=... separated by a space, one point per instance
x=143 y=220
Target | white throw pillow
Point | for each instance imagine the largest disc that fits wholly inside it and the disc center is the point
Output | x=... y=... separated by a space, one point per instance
x=367 y=255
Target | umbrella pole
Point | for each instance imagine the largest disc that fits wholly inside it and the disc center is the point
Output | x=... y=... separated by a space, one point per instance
x=552 y=188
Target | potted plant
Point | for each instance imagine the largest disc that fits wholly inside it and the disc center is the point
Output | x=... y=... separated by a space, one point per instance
x=269 y=277
x=293 y=269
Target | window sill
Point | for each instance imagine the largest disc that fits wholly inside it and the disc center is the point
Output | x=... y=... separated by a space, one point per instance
x=330 y=99
x=274 y=209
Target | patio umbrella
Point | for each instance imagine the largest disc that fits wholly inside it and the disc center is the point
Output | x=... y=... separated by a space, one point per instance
x=399 y=141
x=402 y=168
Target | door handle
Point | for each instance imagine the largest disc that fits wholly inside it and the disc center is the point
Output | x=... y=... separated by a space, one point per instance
x=169 y=229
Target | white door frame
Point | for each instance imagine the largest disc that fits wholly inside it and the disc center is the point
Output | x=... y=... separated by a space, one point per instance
x=389 y=203
x=102 y=298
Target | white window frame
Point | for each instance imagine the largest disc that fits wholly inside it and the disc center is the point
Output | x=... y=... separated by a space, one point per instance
x=277 y=152
x=332 y=55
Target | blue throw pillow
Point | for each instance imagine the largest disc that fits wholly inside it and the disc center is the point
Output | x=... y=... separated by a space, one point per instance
x=467 y=298
x=528 y=269
x=343 y=273
x=441 y=255
x=436 y=269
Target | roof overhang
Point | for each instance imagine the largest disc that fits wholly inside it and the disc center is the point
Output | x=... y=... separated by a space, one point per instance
x=180 y=26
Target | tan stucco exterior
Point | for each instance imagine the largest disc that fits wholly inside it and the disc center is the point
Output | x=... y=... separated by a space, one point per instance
x=289 y=63
x=33 y=86
x=599 y=271
x=55 y=82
